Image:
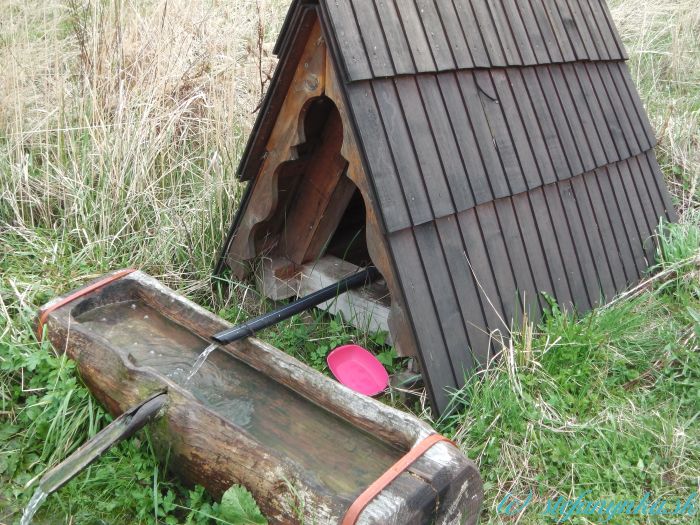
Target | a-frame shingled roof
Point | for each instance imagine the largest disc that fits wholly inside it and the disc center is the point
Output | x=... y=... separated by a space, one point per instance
x=509 y=153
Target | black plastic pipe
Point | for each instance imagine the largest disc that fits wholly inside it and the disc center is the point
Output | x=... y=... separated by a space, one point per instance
x=248 y=328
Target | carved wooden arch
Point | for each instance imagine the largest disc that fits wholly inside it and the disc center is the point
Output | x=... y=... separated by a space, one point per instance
x=308 y=83
x=315 y=77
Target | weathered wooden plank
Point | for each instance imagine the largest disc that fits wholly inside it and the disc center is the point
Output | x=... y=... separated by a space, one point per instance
x=599 y=17
x=571 y=48
x=372 y=33
x=608 y=239
x=510 y=47
x=550 y=246
x=614 y=35
x=567 y=248
x=524 y=124
x=560 y=124
x=611 y=113
x=395 y=36
x=588 y=267
x=600 y=71
x=525 y=32
x=419 y=148
x=526 y=85
x=403 y=154
x=434 y=356
x=663 y=192
x=548 y=38
x=498 y=126
x=656 y=192
x=575 y=22
x=646 y=229
x=449 y=161
x=467 y=290
x=579 y=79
x=479 y=262
x=593 y=124
x=416 y=37
x=527 y=305
x=532 y=240
x=463 y=134
x=356 y=63
x=495 y=176
x=619 y=227
x=580 y=121
x=522 y=11
x=488 y=32
x=373 y=137
x=444 y=297
x=628 y=92
x=631 y=227
x=472 y=33
x=589 y=20
x=598 y=249
x=498 y=259
x=438 y=41
x=455 y=35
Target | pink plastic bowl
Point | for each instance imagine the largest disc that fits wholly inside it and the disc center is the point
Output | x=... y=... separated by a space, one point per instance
x=358 y=369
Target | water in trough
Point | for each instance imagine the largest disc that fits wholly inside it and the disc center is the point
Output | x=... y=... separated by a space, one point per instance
x=339 y=455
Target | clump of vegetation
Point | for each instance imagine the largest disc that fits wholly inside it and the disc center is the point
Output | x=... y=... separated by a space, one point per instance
x=606 y=403
x=120 y=129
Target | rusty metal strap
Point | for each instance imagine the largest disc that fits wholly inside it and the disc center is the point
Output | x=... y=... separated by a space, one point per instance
x=390 y=475
x=44 y=313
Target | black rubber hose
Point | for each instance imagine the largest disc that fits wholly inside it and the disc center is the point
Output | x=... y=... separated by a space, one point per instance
x=248 y=328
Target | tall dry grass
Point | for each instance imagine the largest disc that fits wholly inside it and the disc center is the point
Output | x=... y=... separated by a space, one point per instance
x=121 y=124
x=663 y=41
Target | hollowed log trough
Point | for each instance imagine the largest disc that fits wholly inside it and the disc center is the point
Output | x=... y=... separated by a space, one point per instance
x=304 y=445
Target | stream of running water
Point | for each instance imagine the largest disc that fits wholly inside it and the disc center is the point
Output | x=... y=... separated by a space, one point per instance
x=200 y=361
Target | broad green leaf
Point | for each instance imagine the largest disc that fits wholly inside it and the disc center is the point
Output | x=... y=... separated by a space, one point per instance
x=239 y=507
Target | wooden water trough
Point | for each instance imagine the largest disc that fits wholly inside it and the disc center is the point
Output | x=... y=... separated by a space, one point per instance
x=304 y=445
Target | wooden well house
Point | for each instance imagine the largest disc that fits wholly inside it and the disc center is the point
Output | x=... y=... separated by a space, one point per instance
x=478 y=152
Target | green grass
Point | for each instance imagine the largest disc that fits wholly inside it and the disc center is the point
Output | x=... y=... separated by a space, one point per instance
x=120 y=129
x=607 y=403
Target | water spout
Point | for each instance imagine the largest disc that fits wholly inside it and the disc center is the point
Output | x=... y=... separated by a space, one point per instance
x=121 y=428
